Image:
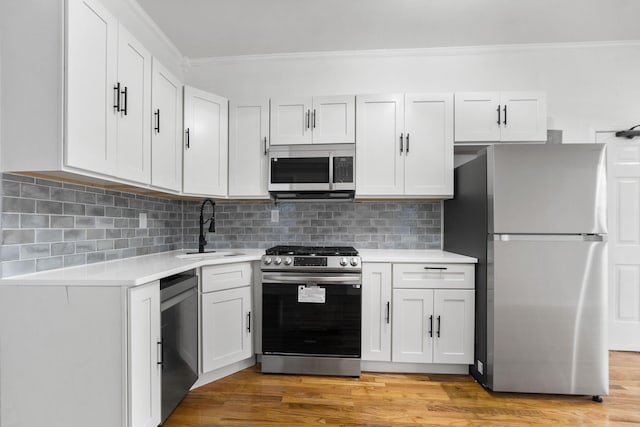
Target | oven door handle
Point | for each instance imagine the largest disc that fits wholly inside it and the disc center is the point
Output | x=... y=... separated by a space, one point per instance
x=309 y=278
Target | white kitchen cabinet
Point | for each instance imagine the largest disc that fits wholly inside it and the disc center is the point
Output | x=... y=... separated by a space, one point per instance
x=405 y=145
x=500 y=116
x=376 y=311
x=226 y=315
x=248 y=148
x=226 y=320
x=144 y=353
x=64 y=101
x=92 y=73
x=205 y=143
x=413 y=325
x=83 y=355
x=108 y=95
x=166 y=133
x=313 y=120
x=434 y=276
x=433 y=326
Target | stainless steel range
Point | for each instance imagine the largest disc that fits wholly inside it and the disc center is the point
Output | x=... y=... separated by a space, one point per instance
x=311 y=310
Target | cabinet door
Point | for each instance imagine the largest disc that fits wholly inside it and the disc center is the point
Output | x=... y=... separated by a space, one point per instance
x=206 y=142
x=144 y=347
x=413 y=325
x=477 y=116
x=379 y=159
x=428 y=167
x=453 y=326
x=291 y=121
x=376 y=311
x=92 y=50
x=248 y=148
x=333 y=119
x=524 y=116
x=133 y=150
x=226 y=327
x=166 y=133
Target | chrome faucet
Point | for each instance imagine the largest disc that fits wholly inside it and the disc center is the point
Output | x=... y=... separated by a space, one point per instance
x=202 y=242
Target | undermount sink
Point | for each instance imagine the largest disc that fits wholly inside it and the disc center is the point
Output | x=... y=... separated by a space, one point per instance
x=209 y=254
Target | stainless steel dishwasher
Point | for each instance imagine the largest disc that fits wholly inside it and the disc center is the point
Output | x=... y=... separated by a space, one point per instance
x=179 y=318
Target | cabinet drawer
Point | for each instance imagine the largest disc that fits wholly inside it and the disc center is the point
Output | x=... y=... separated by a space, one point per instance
x=436 y=275
x=227 y=276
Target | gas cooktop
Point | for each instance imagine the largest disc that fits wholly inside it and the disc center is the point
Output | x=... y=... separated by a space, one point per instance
x=313 y=250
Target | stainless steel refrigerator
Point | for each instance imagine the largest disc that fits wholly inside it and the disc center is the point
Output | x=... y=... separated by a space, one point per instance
x=535 y=217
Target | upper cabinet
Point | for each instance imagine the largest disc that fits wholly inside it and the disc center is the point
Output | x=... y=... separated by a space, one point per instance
x=78 y=105
x=313 y=120
x=108 y=96
x=500 y=116
x=405 y=145
x=249 y=148
x=166 y=132
x=205 y=143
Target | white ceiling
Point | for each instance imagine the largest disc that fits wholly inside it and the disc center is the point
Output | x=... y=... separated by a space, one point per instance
x=213 y=28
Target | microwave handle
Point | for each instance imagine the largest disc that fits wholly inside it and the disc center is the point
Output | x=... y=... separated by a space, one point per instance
x=331 y=177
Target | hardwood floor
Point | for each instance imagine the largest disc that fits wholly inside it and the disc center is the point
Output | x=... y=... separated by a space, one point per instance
x=249 y=398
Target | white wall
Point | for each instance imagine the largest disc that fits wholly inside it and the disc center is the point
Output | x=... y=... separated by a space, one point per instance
x=588 y=86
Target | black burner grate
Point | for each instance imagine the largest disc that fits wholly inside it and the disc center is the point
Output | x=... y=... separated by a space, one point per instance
x=313 y=250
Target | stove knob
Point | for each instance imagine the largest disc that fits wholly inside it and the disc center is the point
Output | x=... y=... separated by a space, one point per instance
x=267 y=261
x=287 y=261
x=343 y=262
x=278 y=261
x=354 y=262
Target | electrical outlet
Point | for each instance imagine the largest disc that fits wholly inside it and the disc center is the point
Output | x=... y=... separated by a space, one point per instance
x=143 y=220
x=275 y=215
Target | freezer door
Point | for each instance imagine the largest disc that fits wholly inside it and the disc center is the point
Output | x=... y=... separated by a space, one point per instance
x=548 y=189
x=548 y=316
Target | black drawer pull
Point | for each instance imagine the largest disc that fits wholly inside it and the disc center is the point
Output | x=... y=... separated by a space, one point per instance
x=436 y=268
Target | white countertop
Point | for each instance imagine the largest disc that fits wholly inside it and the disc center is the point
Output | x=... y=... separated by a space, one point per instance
x=147 y=268
x=411 y=255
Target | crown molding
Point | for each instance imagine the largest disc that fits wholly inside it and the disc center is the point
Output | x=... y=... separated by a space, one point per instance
x=390 y=53
x=155 y=29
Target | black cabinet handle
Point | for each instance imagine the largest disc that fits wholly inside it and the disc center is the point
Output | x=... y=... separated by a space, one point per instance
x=498 y=110
x=308 y=114
x=435 y=268
x=124 y=109
x=407 y=143
x=249 y=322
x=439 y=324
x=401 y=141
x=314 y=118
x=265 y=146
x=188 y=138
x=157 y=114
x=431 y=326
x=505 y=114
x=160 y=356
x=388 y=317
x=116 y=97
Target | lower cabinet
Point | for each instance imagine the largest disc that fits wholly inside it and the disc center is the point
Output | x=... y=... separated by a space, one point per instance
x=81 y=355
x=145 y=346
x=226 y=315
x=418 y=313
x=433 y=326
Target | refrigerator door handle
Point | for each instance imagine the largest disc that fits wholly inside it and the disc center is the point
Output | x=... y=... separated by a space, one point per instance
x=550 y=237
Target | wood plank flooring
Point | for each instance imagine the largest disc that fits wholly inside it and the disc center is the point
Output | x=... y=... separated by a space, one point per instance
x=249 y=398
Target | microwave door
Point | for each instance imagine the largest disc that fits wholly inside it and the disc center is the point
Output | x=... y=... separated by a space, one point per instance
x=299 y=174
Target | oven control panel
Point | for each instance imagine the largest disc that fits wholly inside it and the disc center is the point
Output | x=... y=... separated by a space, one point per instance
x=302 y=263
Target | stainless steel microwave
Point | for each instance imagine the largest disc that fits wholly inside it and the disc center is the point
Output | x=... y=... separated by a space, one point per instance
x=303 y=172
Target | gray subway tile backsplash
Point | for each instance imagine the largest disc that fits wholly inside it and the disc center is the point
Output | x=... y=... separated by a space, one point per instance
x=48 y=224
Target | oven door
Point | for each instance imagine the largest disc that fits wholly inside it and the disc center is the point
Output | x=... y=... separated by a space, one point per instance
x=316 y=314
